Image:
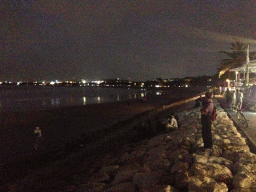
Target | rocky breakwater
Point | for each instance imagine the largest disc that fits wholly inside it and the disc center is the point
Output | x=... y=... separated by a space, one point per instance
x=177 y=161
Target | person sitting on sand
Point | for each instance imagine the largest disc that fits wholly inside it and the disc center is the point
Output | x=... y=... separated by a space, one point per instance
x=38 y=135
x=172 y=124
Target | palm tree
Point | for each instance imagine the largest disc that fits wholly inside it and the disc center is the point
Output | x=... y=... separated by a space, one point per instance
x=237 y=57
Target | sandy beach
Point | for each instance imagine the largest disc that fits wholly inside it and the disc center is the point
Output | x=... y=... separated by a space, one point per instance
x=64 y=125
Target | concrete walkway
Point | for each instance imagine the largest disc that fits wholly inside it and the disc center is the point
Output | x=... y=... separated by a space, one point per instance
x=250 y=131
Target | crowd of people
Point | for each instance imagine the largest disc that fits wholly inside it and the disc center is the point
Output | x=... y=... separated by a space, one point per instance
x=237 y=97
x=234 y=98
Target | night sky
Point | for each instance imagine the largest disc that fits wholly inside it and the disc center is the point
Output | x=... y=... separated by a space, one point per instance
x=103 y=39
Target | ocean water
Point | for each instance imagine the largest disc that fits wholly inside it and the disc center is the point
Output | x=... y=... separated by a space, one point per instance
x=23 y=98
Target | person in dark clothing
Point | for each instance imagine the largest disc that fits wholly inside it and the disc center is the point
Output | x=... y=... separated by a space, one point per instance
x=38 y=137
x=198 y=102
x=206 y=121
x=228 y=98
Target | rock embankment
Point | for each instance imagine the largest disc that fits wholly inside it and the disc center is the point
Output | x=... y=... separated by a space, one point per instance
x=177 y=161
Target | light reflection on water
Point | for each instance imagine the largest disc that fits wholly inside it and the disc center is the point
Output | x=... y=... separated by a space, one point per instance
x=55 y=102
x=84 y=100
x=44 y=98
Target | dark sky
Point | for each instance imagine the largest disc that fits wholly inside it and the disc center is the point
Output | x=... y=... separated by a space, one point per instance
x=99 y=39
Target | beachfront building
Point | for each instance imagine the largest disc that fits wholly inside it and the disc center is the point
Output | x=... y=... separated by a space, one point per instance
x=244 y=74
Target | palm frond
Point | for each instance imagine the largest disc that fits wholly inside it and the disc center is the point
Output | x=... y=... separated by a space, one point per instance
x=237 y=56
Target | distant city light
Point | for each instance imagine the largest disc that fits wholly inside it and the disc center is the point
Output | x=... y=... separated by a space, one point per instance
x=84 y=81
x=97 y=82
x=110 y=83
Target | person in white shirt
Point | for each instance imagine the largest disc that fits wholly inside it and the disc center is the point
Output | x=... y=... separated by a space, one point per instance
x=239 y=98
x=173 y=124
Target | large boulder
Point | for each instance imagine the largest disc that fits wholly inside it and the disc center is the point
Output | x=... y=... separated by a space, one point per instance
x=123 y=176
x=217 y=172
x=159 y=151
x=222 y=161
x=179 y=167
x=234 y=153
x=238 y=141
x=245 y=181
x=176 y=139
x=180 y=155
x=92 y=186
x=182 y=179
x=156 y=141
x=138 y=154
x=147 y=179
x=131 y=166
x=246 y=168
x=100 y=177
x=157 y=163
x=129 y=187
x=246 y=157
x=162 y=188
x=197 y=158
x=203 y=184
x=110 y=169
x=189 y=141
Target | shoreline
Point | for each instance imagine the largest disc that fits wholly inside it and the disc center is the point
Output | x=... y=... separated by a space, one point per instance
x=65 y=125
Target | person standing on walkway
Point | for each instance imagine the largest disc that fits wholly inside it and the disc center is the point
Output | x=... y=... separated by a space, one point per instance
x=233 y=98
x=239 y=99
x=207 y=112
x=228 y=98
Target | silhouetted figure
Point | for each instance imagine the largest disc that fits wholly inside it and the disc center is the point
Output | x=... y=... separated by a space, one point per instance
x=198 y=102
x=206 y=119
x=228 y=98
x=38 y=137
